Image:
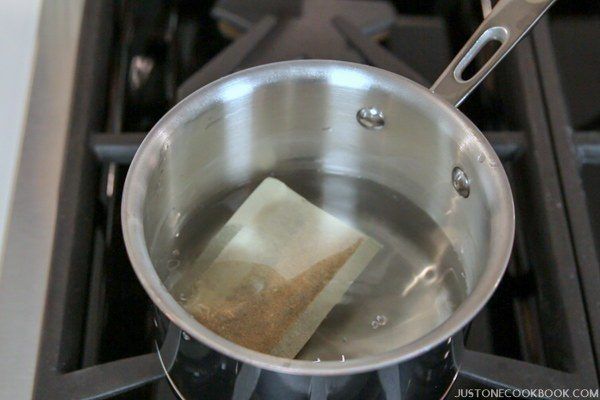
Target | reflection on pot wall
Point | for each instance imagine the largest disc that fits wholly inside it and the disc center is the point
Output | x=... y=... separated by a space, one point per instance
x=198 y=372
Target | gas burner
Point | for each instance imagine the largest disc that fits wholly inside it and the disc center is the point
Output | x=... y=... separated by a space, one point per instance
x=541 y=328
x=271 y=31
x=305 y=28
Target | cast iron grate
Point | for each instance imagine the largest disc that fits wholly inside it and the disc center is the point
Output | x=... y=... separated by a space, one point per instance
x=566 y=45
x=97 y=340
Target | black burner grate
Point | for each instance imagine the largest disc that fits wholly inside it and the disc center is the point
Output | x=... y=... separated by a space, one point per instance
x=138 y=58
x=566 y=45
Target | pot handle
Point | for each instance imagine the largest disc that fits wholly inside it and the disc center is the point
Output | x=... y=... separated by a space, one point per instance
x=507 y=23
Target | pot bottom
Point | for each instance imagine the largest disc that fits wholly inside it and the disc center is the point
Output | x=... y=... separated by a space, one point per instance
x=410 y=287
x=196 y=372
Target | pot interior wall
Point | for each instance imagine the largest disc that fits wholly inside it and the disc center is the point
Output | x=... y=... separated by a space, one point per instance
x=393 y=183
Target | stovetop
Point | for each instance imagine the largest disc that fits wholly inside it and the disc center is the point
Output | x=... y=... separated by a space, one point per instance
x=539 y=110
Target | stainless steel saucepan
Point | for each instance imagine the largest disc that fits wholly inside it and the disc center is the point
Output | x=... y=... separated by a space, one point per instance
x=389 y=156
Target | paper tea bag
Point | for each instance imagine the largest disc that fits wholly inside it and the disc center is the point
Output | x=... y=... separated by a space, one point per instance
x=272 y=274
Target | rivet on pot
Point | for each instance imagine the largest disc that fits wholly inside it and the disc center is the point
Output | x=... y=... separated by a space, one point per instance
x=370 y=117
x=461 y=182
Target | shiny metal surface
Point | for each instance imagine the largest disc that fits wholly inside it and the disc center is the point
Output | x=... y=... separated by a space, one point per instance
x=32 y=217
x=301 y=116
x=413 y=284
x=254 y=122
x=371 y=118
x=197 y=372
x=461 y=182
x=506 y=23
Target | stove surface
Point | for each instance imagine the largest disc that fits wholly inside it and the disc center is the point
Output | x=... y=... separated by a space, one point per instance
x=538 y=110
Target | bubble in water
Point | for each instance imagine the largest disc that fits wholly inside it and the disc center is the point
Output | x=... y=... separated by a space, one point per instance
x=204 y=308
x=185 y=336
x=182 y=296
x=381 y=319
x=177 y=235
x=173 y=264
x=258 y=286
x=175 y=252
x=343 y=358
x=481 y=157
x=318 y=360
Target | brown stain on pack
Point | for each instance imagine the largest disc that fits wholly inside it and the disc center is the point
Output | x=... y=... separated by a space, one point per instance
x=260 y=320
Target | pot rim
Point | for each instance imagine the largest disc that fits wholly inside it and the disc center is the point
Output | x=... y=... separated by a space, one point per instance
x=502 y=227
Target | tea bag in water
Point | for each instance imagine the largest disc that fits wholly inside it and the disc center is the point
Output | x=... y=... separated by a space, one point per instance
x=274 y=271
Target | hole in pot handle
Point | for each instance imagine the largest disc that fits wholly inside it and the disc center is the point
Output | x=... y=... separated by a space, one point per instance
x=507 y=23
